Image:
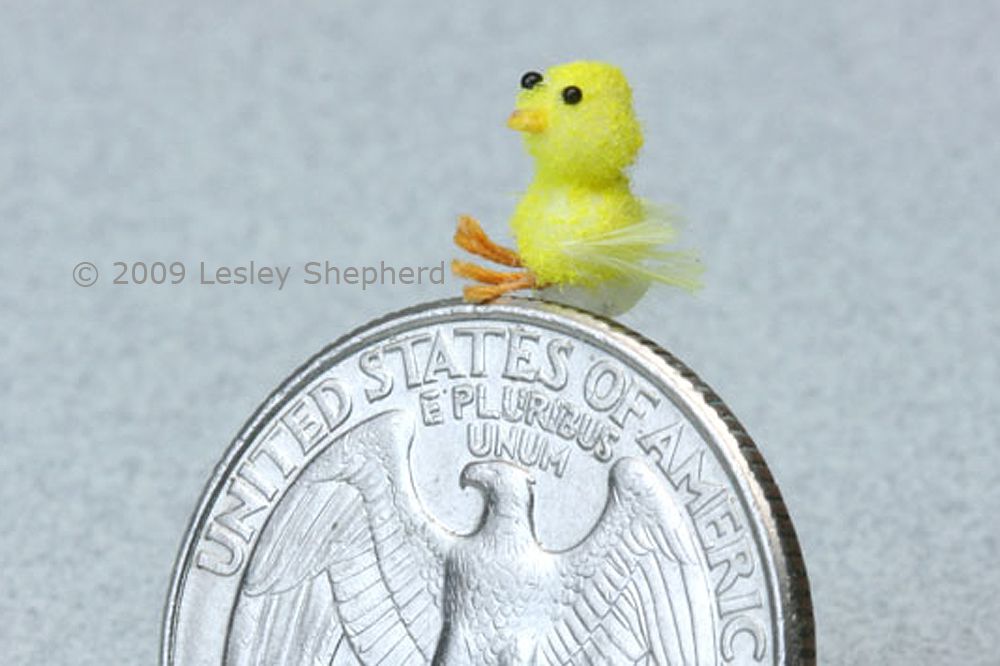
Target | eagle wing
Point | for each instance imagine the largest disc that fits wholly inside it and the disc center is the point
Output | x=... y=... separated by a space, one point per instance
x=349 y=568
x=633 y=589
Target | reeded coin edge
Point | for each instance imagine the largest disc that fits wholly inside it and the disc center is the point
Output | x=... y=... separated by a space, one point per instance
x=797 y=622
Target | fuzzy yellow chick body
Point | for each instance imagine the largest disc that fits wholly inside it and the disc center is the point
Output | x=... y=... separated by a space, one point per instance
x=579 y=190
x=579 y=226
x=573 y=213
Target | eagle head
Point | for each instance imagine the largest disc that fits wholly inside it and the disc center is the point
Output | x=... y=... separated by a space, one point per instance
x=507 y=489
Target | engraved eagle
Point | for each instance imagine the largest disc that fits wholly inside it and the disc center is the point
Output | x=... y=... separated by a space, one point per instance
x=350 y=569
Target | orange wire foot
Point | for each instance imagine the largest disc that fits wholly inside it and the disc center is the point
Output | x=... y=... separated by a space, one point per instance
x=479 y=273
x=483 y=293
x=470 y=237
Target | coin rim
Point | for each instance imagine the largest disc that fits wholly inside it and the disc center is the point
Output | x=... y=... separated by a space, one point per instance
x=786 y=571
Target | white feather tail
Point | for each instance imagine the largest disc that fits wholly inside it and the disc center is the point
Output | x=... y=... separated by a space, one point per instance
x=635 y=252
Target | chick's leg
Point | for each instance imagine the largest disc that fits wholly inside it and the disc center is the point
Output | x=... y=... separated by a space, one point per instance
x=470 y=237
x=479 y=273
x=487 y=292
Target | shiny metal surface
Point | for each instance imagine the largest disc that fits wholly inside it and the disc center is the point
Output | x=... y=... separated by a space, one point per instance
x=518 y=483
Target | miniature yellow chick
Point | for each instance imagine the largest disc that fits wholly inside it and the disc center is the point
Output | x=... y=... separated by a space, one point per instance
x=580 y=231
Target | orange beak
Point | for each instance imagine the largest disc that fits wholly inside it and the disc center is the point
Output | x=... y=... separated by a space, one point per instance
x=525 y=120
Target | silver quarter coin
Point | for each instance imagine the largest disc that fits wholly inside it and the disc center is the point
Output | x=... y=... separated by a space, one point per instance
x=517 y=483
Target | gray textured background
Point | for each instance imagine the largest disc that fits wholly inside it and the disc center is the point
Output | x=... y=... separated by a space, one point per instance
x=838 y=165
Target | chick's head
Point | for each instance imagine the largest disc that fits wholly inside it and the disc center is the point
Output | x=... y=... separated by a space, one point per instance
x=578 y=121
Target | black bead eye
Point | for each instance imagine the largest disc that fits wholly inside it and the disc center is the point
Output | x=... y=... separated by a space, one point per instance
x=572 y=95
x=530 y=80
